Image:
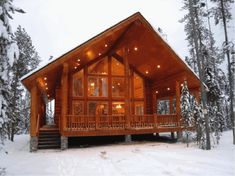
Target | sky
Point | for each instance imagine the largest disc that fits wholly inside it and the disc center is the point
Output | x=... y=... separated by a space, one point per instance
x=57 y=26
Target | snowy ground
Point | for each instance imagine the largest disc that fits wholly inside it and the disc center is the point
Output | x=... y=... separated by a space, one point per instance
x=137 y=158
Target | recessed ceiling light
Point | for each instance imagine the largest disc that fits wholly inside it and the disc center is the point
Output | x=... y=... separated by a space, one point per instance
x=99 y=54
x=46 y=88
x=181 y=85
x=158 y=66
x=147 y=72
x=48 y=95
x=78 y=64
x=135 y=48
x=168 y=88
x=45 y=84
x=106 y=45
x=156 y=91
x=78 y=60
x=75 y=67
x=45 y=78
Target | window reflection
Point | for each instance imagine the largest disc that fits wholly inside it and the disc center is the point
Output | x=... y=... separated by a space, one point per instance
x=97 y=86
x=78 y=83
x=117 y=67
x=100 y=67
x=97 y=108
x=118 y=108
x=118 y=87
x=138 y=86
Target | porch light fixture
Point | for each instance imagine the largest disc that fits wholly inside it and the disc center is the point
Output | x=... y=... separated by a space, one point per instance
x=168 y=88
x=158 y=66
x=147 y=72
x=135 y=48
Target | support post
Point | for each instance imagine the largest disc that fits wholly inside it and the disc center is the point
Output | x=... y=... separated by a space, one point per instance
x=64 y=96
x=127 y=88
x=173 y=135
x=177 y=91
x=64 y=142
x=33 y=118
x=128 y=138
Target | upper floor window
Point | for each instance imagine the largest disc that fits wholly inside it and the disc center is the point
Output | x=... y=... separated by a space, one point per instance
x=97 y=86
x=117 y=67
x=100 y=67
x=78 y=83
x=138 y=86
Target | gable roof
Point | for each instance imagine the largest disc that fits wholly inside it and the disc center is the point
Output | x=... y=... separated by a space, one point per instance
x=134 y=31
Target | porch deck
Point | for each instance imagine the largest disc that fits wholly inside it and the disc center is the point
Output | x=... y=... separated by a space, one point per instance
x=108 y=125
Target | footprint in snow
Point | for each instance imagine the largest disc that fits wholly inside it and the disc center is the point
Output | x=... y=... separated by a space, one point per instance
x=103 y=154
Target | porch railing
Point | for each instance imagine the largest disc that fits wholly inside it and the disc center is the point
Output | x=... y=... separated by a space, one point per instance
x=109 y=122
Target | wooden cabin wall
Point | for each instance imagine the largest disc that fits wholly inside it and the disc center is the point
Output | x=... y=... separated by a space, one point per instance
x=148 y=97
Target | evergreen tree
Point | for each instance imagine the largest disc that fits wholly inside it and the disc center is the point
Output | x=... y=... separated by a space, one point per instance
x=8 y=55
x=223 y=15
x=28 y=60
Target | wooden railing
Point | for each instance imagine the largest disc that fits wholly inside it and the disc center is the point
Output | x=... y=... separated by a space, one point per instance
x=109 y=122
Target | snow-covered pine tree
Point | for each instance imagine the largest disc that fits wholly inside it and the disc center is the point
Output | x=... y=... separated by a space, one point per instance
x=196 y=32
x=8 y=54
x=186 y=110
x=28 y=60
x=222 y=14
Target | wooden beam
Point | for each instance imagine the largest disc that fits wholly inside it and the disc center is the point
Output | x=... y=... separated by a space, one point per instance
x=127 y=86
x=34 y=110
x=177 y=92
x=64 y=96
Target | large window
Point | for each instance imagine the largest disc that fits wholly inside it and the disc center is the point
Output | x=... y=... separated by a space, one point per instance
x=97 y=86
x=138 y=86
x=97 y=108
x=139 y=108
x=118 y=108
x=163 y=107
x=78 y=108
x=78 y=83
x=118 y=87
x=117 y=67
x=100 y=67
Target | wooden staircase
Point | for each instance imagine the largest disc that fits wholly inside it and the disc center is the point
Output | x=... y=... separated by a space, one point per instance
x=49 y=137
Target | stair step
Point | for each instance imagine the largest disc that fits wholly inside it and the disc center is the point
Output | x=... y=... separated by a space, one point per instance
x=49 y=143
x=48 y=146
x=49 y=137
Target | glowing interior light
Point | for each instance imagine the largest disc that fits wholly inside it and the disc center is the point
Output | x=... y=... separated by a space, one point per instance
x=92 y=84
x=48 y=95
x=118 y=84
x=118 y=106
x=158 y=66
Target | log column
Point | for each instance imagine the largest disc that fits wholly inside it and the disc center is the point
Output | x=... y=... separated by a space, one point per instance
x=33 y=118
x=177 y=91
x=127 y=87
x=64 y=105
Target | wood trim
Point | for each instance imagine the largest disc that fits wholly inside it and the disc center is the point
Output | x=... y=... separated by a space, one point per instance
x=34 y=110
x=177 y=97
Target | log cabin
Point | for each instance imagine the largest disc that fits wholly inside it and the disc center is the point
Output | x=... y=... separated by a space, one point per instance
x=124 y=81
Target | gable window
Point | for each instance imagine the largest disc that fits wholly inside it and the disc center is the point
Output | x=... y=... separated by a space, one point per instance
x=97 y=86
x=78 y=83
x=100 y=67
x=117 y=67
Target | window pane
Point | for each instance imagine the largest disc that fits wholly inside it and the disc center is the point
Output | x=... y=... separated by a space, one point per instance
x=78 y=83
x=117 y=67
x=138 y=86
x=100 y=67
x=78 y=108
x=139 y=108
x=97 y=108
x=163 y=107
x=118 y=87
x=118 y=108
x=97 y=86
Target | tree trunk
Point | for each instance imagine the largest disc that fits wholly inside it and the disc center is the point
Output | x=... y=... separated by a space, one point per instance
x=229 y=70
